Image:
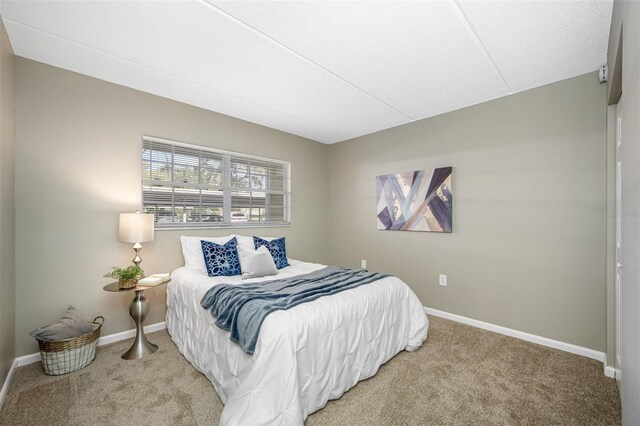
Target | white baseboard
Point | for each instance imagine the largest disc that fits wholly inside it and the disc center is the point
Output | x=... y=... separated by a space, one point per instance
x=124 y=335
x=544 y=341
x=7 y=382
x=104 y=340
x=611 y=372
x=28 y=359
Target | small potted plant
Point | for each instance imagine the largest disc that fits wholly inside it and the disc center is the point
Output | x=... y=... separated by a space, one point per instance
x=127 y=277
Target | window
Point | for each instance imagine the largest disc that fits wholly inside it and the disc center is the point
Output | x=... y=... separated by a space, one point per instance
x=189 y=186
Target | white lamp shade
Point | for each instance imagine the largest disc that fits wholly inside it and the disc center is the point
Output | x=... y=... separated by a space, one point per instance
x=136 y=227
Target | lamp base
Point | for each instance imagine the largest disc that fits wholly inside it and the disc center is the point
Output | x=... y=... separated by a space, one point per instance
x=137 y=260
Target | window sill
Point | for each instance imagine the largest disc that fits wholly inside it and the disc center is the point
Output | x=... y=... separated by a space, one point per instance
x=226 y=226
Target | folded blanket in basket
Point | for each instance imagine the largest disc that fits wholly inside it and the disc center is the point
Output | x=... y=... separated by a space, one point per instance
x=72 y=324
x=241 y=308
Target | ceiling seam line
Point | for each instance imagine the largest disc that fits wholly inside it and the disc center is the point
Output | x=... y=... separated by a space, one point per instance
x=485 y=51
x=301 y=56
x=181 y=79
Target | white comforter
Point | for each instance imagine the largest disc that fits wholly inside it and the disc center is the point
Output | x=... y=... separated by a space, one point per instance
x=305 y=355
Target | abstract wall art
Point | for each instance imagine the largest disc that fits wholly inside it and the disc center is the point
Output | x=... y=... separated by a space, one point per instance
x=415 y=201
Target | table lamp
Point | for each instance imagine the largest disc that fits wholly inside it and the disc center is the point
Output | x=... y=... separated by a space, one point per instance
x=136 y=228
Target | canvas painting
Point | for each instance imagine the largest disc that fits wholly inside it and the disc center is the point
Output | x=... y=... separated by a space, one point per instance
x=415 y=201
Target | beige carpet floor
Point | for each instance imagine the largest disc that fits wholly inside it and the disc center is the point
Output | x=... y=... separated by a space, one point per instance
x=461 y=375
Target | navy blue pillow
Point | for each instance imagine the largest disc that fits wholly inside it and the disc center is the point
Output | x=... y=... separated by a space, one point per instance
x=221 y=260
x=277 y=249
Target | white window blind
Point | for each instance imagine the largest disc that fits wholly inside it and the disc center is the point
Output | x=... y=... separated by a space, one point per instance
x=192 y=186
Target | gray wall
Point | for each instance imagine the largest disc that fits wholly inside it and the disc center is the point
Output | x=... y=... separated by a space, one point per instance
x=626 y=18
x=78 y=165
x=528 y=248
x=7 y=206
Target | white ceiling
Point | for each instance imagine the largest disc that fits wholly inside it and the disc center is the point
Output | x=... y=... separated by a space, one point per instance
x=328 y=71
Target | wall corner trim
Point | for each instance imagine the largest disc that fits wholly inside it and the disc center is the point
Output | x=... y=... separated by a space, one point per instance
x=544 y=341
x=611 y=372
x=7 y=382
x=104 y=340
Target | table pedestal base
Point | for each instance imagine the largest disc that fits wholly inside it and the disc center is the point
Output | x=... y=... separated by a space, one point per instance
x=141 y=346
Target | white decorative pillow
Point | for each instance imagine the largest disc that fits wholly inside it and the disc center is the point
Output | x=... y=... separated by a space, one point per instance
x=245 y=241
x=256 y=263
x=192 y=249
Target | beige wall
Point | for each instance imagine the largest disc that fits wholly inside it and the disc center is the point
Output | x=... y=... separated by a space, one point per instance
x=626 y=78
x=78 y=165
x=7 y=206
x=528 y=248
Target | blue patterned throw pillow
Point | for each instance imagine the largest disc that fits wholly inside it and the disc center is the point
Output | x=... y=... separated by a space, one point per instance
x=221 y=260
x=276 y=248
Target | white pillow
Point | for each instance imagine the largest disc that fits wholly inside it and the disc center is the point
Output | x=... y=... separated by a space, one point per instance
x=192 y=249
x=245 y=241
x=256 y=263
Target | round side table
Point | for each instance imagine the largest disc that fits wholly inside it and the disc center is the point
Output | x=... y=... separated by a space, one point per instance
x=138 y=310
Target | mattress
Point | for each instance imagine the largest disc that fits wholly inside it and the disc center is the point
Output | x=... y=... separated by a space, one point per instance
x=304 y=356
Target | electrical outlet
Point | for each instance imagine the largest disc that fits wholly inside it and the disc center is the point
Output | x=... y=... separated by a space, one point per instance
x=363 y=264
x=443 y=280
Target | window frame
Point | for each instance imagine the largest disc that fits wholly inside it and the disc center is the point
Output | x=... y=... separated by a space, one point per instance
x=227 y=189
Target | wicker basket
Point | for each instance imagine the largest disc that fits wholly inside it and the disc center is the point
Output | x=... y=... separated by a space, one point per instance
x=122 y=284
x=69 y=355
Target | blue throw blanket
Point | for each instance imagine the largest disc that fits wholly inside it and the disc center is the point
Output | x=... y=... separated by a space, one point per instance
x=241 y=309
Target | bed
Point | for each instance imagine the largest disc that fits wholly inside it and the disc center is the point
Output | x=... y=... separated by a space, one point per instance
x=304 y=356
